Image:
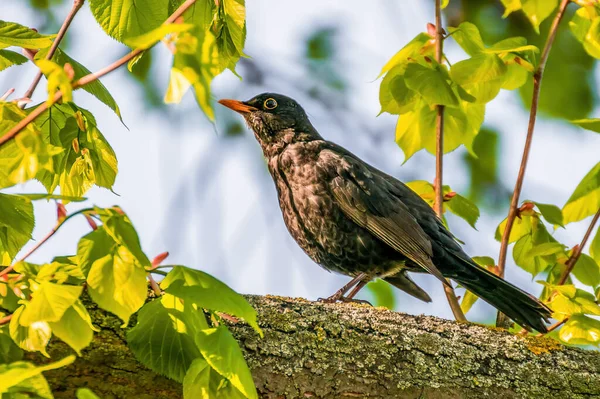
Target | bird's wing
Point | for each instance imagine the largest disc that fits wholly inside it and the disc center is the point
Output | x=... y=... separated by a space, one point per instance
x=369 y=201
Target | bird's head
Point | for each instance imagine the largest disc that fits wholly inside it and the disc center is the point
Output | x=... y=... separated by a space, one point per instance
x=276 y=120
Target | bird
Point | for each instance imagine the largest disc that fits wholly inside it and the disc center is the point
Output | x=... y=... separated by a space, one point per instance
x=353 y=219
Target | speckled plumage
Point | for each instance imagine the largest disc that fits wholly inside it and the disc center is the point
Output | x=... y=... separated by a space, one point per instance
x=351 y=218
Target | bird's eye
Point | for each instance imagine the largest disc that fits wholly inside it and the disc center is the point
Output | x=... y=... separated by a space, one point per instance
x=270 y=103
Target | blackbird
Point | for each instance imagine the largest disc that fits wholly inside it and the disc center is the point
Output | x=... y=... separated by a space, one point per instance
x=353 y=219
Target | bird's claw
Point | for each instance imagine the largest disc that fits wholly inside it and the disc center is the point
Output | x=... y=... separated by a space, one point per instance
x=336 y=298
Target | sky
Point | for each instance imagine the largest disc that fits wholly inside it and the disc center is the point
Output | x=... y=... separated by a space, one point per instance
x=207 y=198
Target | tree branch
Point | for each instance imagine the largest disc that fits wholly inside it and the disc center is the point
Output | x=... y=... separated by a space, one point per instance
x=77 y=4
x=86 y=80
x=58 y=225
x=514 y=202
x=577 y=250
x=438 y=205
x=316 y=350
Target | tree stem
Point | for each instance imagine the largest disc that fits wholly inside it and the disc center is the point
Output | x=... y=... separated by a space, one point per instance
x=537 y=82
x=439 y=155
x=77 y=4
x=577 y=250
x=86 y=80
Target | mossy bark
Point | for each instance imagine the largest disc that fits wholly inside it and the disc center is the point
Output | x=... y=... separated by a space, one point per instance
x=353 y=351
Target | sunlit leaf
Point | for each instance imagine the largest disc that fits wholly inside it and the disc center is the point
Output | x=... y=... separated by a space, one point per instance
x=414 y=48
x=18 y=376
x=585 y=200
x=538 y=10
x=512 y=45
x=591 y=44
x=588 y=124
x=223 y=354
x=13 y=34
x=57 y=80
x=209 y=293
x=30 y=338
x=95 y=88
x=394 y=96
x=463 y=208
x=510 y=6
x=203 y=382
x=16 y=225
x=9 y=58
x=9 y=351
x=580 y=330
x=86 y=393
x=587 y=271
x=551 y=213
x=468 y=37
x=49 y=302
x=481 y=76
x=595 y=247
x=163 y=338
x=75 y=327
x=125 y=18
x=148 y=39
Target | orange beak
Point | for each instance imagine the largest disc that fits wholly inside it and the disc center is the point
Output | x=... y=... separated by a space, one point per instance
x=238 y=106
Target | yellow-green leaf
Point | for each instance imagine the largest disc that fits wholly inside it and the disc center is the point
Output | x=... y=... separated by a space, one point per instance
x=49 y=302
x=580 y=330
x=57 y=80
x=30 y=338
x=9 y=58
x=468 y=37
x=588 y=124
x=13 y=34
x=149 y=39
x=585 y=200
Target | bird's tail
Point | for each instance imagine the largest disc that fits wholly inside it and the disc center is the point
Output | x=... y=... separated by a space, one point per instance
x=523 y=308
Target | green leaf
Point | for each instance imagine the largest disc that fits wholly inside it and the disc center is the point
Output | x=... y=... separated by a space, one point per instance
x=588 y=124
x=581 y=22
x=383 y=293
x=121 y=230
x=551 y=213
x=222 y=353
x=521 y=227
x=538 y=10
x=207 y=292
x=416 y=47
x=524 y=246
x=203 y=382
x=484 y=261
x=18 y=376
x=92 y=247
x=580 y=330
x=31 y=338
x=149 y=39
x=75 y=327
x=95 y=88
x=394 y=96
x=9 y=58
x=468 y=301
x=468 y=37
x=510 y=7
x=587 y=271
x=121 y=19
x=36 y=197
x=512 y=45
x=22 y=157
x=57 y=80
x=463 y=208
x=546 y=248
x=9 y=351
x=86 y=158
x=595 y=247
x=481 y=76
x=86 y=393
x=117 y=283
x=163 y=338
x=591 y=43
x=585 y=200
x=431 y=84
x=13 y=34
x=515 y=77
x=49 y=303
x=16 y=225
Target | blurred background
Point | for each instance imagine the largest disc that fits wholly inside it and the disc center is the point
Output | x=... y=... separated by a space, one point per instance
x=203 y=192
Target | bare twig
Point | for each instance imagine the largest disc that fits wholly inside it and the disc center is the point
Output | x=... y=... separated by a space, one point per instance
x=7 y=94
x=537 y=81
x=5 y=319
x=577 y=250
x=554 y=326
x=58 y=225
x=77 y=4
x=86 y=80
x=439 y=154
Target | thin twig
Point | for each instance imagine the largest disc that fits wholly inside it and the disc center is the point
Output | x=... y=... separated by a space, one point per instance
x=5 y=319
x=554 y=326
x=58 y=225
x=77 y=4
x=577 y=250
x=439 y=154
x=86 y=80
x=537 y=82
x=7 y=94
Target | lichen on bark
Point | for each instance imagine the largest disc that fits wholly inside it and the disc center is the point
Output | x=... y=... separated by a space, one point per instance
x=348 y=351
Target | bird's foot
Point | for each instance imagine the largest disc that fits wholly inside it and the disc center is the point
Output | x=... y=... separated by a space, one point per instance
x=340 y=298
x=353 y=300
